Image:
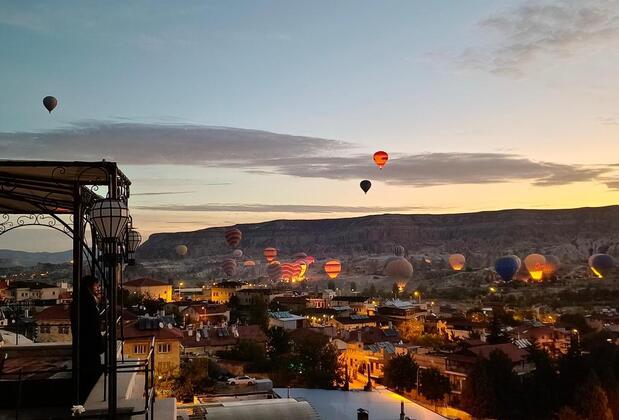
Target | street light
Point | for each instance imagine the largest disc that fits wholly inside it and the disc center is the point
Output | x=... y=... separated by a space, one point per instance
x=133 y=241
x=417 y=294
x=110 y=217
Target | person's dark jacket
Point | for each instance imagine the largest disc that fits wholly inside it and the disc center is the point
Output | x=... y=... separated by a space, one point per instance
x=91 y=342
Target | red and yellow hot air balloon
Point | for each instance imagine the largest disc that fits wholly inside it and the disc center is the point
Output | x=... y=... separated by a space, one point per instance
x=332 y=268
x=457 y=261
x=380 y=158
x=233 y=237
x=303 y=268
x=310 y=260
x=290 y=271
x=274 y=271
x=269 y=254
x=535 y=265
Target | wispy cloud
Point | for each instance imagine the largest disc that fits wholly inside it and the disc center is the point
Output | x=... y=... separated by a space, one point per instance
x=280 y=208
x=266 y=153
x=539 y=29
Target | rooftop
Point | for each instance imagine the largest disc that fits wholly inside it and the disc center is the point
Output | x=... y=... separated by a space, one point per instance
x=144 y=282
x=54 y=313
x=285 y=316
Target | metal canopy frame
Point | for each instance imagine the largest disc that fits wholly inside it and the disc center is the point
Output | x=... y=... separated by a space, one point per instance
x=45 y=193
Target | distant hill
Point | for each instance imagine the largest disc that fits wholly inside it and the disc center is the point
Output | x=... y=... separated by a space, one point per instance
x=10 y=258
x=571 y=234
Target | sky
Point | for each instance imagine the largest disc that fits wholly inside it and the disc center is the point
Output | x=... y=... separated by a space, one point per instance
x=246 y=111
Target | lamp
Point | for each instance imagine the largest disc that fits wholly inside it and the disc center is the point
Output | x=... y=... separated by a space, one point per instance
x=133 y=241
x=109 y=217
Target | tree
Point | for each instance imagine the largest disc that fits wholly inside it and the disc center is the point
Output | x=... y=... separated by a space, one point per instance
x=590 y=400
x=566 y=413
x=541 y=388
x=331 y=285
x=246 y=351
x=258 y=314
x=410 y=329
x=433 y=385
x=278 y=341
x=400 y=372
x=193 y=379
x=496 y=335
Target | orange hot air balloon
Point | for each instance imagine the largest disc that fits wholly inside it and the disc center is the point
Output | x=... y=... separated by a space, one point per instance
x=233 y=237
x=457 y=261
x=381 y=158
x=332 y=268
x=535 y=264
x=269 y=254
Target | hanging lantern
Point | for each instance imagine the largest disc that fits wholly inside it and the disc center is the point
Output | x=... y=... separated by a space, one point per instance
x=133 y=241
x=109 y=218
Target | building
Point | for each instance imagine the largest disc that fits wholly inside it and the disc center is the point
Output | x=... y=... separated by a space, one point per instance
x=53 y=324
x=352 y=322
x=249 y=296
x=223 y=291
x=286 y=320
x=555 y=341
x=400 y=310
x=41 y=293
x=153 y=289
x=209 y=339
x=138 y=336
x=361 y=305
x=296 y=304
x=205 y=313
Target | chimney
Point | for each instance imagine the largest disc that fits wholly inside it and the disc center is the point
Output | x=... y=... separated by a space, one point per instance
x=359 y=336
x=362 y=414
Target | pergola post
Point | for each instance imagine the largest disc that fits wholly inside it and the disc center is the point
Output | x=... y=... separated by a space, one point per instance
x=77 y=274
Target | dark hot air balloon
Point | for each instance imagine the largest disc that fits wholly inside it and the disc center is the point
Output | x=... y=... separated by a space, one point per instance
x=380 y=158
x=233 y=237
x=229 y=266
x=601 y=264
x=507 y=266
x=365 y=185
x=181 y=250
x=49 y=102
x=400 y=269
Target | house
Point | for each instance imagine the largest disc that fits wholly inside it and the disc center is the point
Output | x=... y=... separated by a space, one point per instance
x=206 y=313
x=400 y=310
x=361 y=305
x=249 y=296
x=367 y=351
x=138 y=335
x=153 y=289
x=209 y=340
x=352 y=322
x=53 y=324
x=42 y=293
x=296 y=304
x=286 y=320
x=223 y=291
x=555 y=341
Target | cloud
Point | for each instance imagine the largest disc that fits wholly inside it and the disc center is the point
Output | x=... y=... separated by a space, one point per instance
x=279 y=208
x=540 y=29
x=265 y=153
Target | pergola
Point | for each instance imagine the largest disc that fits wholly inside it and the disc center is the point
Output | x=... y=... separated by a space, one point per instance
x=79 y=199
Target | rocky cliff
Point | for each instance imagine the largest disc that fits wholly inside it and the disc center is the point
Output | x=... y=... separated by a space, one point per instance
x=571 y=234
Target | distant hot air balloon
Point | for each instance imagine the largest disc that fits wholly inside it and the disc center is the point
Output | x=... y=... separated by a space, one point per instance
x=381 y=158
x=49 y=102
x=249 y=263
x=181 y=250
x=399 y=268
x=233 y=237
x=237 y=253
x=310 y=260
x=457 y=261
x=399 y=250
x=535 y=264
x=551 y=267
x=229 y=266
x=507 y=266
x=522 y=274
x=269 y=254
x=290 y=271
x=274 y=271
x=299 y=256
x=302 y=268
x=365 y=185
x=332 y=268
x=601 y=264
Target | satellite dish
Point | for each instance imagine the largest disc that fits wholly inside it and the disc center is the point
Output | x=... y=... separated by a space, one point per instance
x=161 y=325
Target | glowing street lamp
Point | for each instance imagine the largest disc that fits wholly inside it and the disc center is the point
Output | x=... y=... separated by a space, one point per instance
x=417 y=294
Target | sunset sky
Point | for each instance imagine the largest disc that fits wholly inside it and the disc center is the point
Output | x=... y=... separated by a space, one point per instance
x=225 y=112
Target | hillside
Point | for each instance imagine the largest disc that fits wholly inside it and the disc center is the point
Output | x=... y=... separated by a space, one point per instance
x=571 y=234
x=10 y=258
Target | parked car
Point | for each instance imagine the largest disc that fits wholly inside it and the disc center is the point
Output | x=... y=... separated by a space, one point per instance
x=242 y=380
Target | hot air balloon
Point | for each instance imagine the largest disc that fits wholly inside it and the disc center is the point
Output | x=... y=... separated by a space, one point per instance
x=274 y=271
x=290 y=271
x=535 y=264
x=507 y=266
x=399 y=250
x=249 y=263
x=522 y=274
x=181 y=250
x=299 y=256
x=332 y=268
x=269 y=254
x=237 y=253
x=365 y=185
x=400 y=269
x=457 y=261
x=310 y=260
x=551 y=267
x=49 y=102
x=229 y=266
x=233 y=237
x=601 y=264
x=381 y=158
x=302 y=268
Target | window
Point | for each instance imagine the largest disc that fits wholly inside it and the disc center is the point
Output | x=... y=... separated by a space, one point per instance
x=163 y=366
x=164 y=348
x=63 y=329
x=139 y=348
x=44 y=329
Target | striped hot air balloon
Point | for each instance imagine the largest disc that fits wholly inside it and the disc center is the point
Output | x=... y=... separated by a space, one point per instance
x=269 y=254
x=310 y=260
x=233 y=237
x=229 y=266
x=274 y=271
x=290 y=271
x=303 y=268
x=332 y=268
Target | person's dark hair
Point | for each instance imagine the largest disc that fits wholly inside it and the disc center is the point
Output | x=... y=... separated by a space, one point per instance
x=89 y=280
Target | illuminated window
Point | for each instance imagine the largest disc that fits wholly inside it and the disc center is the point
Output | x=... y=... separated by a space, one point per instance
x=139 y=348
x=164 y=348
